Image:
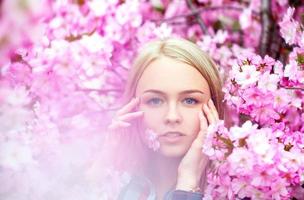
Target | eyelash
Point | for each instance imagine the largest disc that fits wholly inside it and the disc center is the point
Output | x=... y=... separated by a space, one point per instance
x=193 y=99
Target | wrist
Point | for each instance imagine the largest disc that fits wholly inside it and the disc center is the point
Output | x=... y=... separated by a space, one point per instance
x=184 y=195
x=188 y=188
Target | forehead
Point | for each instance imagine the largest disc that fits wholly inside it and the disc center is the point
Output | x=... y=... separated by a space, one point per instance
x=171 y=76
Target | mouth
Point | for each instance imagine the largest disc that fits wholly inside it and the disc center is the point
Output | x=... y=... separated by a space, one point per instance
x=173 y=134
x=172 y=137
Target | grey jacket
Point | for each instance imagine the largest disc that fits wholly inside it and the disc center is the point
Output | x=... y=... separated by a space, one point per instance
x=140 y=188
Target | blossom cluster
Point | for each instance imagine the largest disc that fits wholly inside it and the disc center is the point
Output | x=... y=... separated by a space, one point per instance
x=263 y=159
x=252 y=162
x=63 y=65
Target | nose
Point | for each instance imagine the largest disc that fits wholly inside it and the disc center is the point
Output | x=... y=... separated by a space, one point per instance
x=173 y=116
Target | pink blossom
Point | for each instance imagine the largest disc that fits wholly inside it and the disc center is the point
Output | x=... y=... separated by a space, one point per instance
x=261 y=144
x=282 y=98
x=265 y=114
x=241 y=162
x=255 y=98
x=246 y=75
x=152 y=139
x=245 y=18
x=163 y=31
x=63 y=67
x=247 y=128
x=268 y=82
x=99 y=8
x=289 y=27
x=301 y=40
x=15 y=155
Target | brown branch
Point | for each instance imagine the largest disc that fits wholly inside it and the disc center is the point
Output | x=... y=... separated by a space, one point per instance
x=197 y=16
x=293 y=88
x=199 y=10
x=267 y=22
x=276 y=45
x=101 y=91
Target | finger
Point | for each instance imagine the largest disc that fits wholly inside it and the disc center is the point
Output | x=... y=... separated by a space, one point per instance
x=123 y=124
x=203 y=121
x=118 y=124
x=130 y=116
x=213 y=109
x=199 y=140
x=210 y=117
x=128 y=107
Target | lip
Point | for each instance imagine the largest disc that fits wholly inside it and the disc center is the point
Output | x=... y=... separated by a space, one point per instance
x=172 y=136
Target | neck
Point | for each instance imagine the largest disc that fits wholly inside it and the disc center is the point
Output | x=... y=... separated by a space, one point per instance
x=162 y=171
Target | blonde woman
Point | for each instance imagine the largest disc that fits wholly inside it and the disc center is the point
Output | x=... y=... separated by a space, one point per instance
x=173 y=93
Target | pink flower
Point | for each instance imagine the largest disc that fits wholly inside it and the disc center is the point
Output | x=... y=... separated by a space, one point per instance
x=261 y=144
x=15 y=155
x=289 y=27
x=279 y=189
x=241 y=162
x=282 y=99
x=95 y=43
x=247 y=128
x=100 y=8
x=265 y=115
x=152 y=139
x=301 y=39
x=246 y=75
x=255 y=99
x=268 y=81
x=245 y=18
x=163 y=31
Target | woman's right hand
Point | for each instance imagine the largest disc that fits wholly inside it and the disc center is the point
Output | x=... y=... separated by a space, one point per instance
x=125 y=115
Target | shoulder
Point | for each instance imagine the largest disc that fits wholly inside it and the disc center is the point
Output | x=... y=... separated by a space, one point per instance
x=137 y=188
x=185 y=195
x=113 y=182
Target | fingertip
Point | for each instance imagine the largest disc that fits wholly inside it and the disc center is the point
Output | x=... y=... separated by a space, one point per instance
x=125 y=124
x=134 y=99
x=205 y=107
x=138 y=100
x=202 y=116
x=211 y=103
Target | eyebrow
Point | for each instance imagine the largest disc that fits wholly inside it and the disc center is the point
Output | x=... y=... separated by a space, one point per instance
x=183 y=92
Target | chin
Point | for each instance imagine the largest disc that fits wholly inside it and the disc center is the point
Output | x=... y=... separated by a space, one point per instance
x=172 y=151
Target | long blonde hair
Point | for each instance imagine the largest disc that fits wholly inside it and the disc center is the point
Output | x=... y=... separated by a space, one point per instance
x=129 y=145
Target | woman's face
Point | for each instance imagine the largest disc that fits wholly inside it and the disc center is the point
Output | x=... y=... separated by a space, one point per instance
x=171 y=95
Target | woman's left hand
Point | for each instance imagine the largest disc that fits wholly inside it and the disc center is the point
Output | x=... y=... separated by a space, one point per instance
x=195 y=162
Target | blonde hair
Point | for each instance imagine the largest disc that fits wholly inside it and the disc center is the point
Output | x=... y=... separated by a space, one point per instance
x=129 y=145
x=184 y=51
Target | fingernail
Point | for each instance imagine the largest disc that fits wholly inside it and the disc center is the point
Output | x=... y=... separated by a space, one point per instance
x=210 y=102
x=205 y=106
x=200 y=114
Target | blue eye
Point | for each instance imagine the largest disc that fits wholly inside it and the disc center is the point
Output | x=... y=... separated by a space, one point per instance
x=190 y=101
x=154 y=101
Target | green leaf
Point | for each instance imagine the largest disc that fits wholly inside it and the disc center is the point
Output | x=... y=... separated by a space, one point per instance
x=300 y=59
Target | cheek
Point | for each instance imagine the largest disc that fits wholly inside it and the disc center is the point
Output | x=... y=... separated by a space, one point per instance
x=192 y=121
x=151 y=116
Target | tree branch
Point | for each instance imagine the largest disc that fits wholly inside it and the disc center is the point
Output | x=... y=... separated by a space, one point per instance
x=293 y=88
x=197 y=16
x=267 y=23
x=199 y=10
